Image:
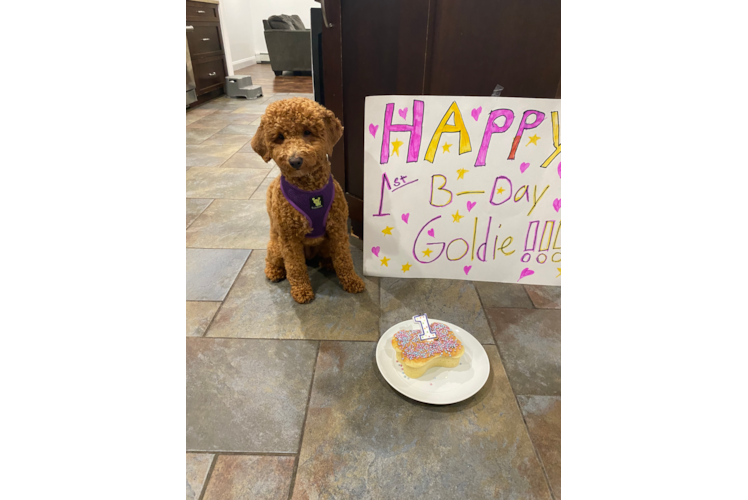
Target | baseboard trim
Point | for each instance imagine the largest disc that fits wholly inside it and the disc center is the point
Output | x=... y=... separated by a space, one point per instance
x=243 y=63
x=262 y=58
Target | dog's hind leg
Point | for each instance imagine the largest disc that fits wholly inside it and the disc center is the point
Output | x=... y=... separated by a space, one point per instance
x=275 y=269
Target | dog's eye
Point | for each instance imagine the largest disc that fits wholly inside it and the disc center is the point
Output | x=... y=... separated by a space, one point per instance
x=307 y=133
x=279 y=139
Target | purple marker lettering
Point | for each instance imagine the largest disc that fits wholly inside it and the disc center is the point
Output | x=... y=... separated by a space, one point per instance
x=493 y=128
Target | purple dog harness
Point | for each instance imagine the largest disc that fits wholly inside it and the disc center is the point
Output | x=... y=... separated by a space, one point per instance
x=314 y=205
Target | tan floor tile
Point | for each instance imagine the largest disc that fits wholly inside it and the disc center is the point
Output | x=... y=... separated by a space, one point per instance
x=545 y=297
x=198 y=465
x=198 y=135
x=231 y=224
x=251 y=477
x=240 y=129
x=362 y=439
x=227 y=183
x=261 y=192
x=209 y=121
x=247 y=395
x=248 y=160
x=275 y=172
x=259 y=308
x=199 y=315
x=227 y=140
x=543 y=417
x=209 y=156
x=530 y=345
x=195 y=207
x=212 y=271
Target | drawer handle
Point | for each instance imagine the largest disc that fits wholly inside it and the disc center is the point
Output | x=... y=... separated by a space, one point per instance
x=190 y=28
x=201 y=12
x=212 y=74
x=206 y=39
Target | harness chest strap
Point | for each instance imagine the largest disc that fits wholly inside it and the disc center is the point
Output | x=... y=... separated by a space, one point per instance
x=313 y=205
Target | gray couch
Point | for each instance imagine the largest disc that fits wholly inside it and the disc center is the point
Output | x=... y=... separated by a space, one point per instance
x=289 y=44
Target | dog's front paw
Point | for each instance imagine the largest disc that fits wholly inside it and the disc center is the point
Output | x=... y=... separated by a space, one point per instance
x=302 y=295
x=352 y=284
x=275 y=273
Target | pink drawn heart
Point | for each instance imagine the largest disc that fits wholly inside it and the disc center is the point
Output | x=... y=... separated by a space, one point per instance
x=476 y=112
x=405 y=217
x=373 y=129
x=467 y=269
x=375 y=251
x=523 y=167
x=471 y=204
x=525 y=272
x=403 y=112
x=559 y=170
x=431 y=232
x=557 y=204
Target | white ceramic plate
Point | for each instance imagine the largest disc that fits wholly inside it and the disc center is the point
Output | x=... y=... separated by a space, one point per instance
x=438 y=386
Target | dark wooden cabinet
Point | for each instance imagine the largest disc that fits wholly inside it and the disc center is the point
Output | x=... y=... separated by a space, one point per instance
x=431 y=47
x=205 y=43
x=202 y=11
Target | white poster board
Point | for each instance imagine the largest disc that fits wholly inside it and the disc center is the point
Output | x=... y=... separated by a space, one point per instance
x=463 y=188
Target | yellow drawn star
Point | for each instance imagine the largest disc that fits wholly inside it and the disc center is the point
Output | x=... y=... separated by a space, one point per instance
x=461 y=173
x=406 y=267
x=445 y=148
x=427 y=252
x=396 y=146
x=388 y=230
x=559 y=271
x=533 y=140
x=456 y=216
x=500 y=190
x=384 y=261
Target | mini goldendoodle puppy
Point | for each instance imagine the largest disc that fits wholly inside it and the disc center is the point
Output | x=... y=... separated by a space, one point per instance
x=307 y=207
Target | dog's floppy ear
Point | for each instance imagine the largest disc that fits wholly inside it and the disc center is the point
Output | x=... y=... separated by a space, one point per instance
x=333 y=129
x=258 y=142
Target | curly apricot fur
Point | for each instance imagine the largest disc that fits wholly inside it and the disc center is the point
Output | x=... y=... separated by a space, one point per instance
x=301 y=128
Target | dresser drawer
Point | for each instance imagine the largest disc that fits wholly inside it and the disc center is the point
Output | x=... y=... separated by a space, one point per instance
x=209 y=75
x=198 y=11
x=204 y=40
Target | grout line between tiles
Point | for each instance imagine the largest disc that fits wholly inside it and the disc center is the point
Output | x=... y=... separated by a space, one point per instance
x=207 y=477
x=227 y=294
x=527 y=428
x=534 y=448
x=530 y=298
x=303 y=424
x=201 y=213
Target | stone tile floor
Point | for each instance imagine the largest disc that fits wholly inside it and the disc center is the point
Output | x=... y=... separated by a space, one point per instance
x=285 y=400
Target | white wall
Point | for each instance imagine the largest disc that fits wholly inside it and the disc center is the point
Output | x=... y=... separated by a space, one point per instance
x=262 y=9
x=237 y=21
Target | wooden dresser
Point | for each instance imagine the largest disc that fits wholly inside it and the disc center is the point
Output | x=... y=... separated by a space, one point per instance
x=206 y=50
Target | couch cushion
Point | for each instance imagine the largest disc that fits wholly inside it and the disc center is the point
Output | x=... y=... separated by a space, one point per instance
x=282 y=22
x=297 y=23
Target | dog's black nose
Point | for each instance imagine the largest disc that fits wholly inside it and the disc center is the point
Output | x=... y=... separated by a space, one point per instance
x=296 y=162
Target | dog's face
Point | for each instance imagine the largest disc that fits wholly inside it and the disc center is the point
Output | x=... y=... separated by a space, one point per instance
x=298 y=134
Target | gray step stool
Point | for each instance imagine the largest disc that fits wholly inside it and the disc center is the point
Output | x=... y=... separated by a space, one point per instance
x=241 y=86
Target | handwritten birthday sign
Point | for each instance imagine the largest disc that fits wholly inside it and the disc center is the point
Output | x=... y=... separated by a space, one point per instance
x=463 y=188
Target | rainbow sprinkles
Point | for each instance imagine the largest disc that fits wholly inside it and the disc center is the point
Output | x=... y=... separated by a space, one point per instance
x=418 y=356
